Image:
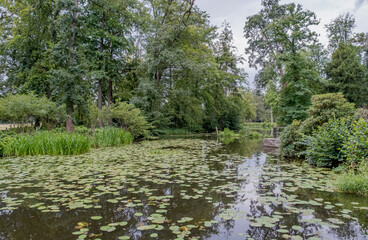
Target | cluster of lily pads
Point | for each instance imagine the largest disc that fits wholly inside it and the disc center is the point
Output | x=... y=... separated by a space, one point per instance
x=174 y=189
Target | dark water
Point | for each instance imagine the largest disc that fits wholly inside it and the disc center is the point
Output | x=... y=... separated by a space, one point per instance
x=181 y=189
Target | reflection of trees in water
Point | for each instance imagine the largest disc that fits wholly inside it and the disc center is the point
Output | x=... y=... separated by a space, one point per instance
x=349 y=230
x=244 y=147
x=247 y=159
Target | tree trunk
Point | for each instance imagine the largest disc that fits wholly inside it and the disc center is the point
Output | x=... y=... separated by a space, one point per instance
x=69 y=123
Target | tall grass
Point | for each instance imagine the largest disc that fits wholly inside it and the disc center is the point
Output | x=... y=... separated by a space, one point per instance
x=111 y=137
x=47 y=143
x=354 y=181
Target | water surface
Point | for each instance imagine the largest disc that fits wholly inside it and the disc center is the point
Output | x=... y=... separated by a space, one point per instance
x=175 y=189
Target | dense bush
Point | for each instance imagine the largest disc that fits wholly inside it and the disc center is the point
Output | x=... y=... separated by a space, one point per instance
x=83 y=130
x=355 y=147
x=292 y=141
x=47 y=143
x=131 y=119
x=325 y=107
x=110 y=137
x=361 y=113
x=324 y=146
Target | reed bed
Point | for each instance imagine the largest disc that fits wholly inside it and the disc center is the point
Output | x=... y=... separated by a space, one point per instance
x=47 y=143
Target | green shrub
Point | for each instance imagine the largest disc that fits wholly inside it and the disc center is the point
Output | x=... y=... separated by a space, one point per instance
x=292 y=145
x=355 y=148
x=26 y=109
x=47 y=143
x=110 y=137
x=131 y=119
x=325 y=107
x=325 y=145
x=228 y=136
x=361 y=113
x=83 y=130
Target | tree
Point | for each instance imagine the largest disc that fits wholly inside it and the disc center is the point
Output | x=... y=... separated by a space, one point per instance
x=278 y=37
x=29 y=109
x=26 y=48
x=131 y=119
x=263 y=49
x=340 y=30
x=108 y=44
x=346 y=74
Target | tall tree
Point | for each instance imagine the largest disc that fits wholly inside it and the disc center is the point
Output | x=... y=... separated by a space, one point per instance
x=70 y=86
x=340 y=29
x=109 y=24
x=263 y=49
x=278 y=37
x=25 y=48
x=347 y=74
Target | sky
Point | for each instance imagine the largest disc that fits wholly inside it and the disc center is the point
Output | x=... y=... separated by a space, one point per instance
x=236 y=11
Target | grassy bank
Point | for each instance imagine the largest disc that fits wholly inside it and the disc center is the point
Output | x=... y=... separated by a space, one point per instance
x=354 y=181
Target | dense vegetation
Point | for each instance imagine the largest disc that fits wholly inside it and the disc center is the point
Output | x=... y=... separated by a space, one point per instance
x=165 y=58
x=334 y=135
x=151 y=66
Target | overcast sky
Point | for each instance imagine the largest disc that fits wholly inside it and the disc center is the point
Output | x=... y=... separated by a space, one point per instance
x=236 y=11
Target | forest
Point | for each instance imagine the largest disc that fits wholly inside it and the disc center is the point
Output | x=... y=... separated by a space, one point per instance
x=166 y=59
x=129 y=115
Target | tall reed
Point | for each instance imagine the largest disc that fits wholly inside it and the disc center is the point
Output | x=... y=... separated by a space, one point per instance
x=111 y=137
x=47 y=143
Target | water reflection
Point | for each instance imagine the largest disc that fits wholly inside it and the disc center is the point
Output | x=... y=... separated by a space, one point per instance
x=232 y=192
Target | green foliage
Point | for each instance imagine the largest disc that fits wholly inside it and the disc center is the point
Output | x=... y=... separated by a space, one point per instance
x=227 y=133
x=131 y=119
x=300 y=82
x=263 y=110
x=361 y=113
x=174 y=131
x=95 y=115
x=260 y=125
x=111 y=137
x=82 y=130
x=340 y=30
x=228 y=136
x=354 y=181
x=325 y=107
x=292 y=145
x=346 y=74
x=47 y=143
x=355 y=148
x=325 y=145
x=5 y=138
x=278 y=37
x=26 y=109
